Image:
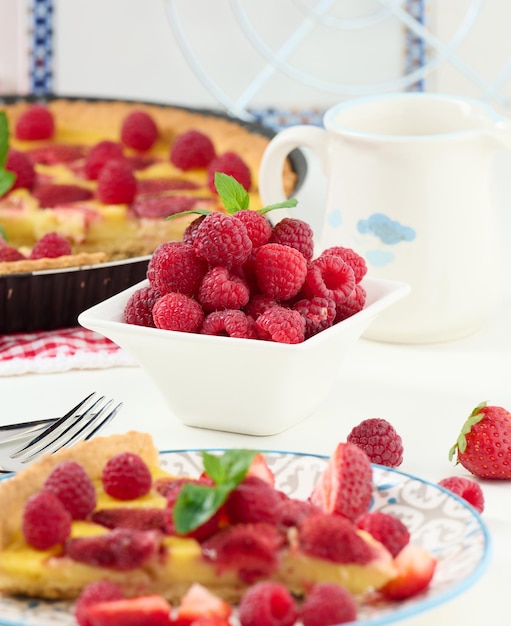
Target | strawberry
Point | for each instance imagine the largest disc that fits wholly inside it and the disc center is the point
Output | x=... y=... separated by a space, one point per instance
x=199 y=603
x=415 y=569
x=260 y=468
x=147 y=610
x=345 y=486
x=484 y=444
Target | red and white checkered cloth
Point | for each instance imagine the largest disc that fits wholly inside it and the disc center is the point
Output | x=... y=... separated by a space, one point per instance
x=57 y=351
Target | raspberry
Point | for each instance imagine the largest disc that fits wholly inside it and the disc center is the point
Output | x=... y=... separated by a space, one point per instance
x=191 y=150
x=221 y=289
x=229 y=323
x=334 y=538
x=295 y=233
x=328 y=603
x=94 y=593
x=329 y=277
x=231 y=164
x=222 y=240
x=249 y=549
x=280 y=270
x=191 y=230
x=56 y=153
x=139 y=131
x=293 y=511
x=155 y=207
x=139 y=307
x=51 y=246
x=281 y=325
x=19 y=163
x=46 y=522
x=175 y=311
x=126 y=477
x=8 y=254
x=268 y=603
x=354 y=303
x=121 y=549
x=99 y=155
x=385 y=528
x=174 y=266
x=253 y=500
x=379 y=440
x=52 y=195
x=116 y=183
x=467 y=489
x=319 y=313
x=259 y=303
x=258 y=227
x=73 y=487
x=354 y=260
x=34 y=123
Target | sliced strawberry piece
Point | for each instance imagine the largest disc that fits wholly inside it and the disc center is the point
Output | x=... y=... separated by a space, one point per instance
x=260 y=468
x=415 y=569
x=138 y=519
x=52 y=195
x=163 y=206
x=346 y=484
x=150 y=610
x=56 y=153
x=159 y=185
x=200 y=603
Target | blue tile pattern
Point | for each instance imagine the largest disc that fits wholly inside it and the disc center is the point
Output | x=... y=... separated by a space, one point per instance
x=41 y=52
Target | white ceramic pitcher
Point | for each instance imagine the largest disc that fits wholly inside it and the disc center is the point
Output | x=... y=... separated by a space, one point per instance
x=410 y=188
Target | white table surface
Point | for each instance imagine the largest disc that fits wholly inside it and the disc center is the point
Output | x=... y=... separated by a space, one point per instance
x=426 y=392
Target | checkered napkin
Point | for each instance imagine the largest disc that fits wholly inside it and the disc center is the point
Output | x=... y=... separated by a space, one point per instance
x=58 y=351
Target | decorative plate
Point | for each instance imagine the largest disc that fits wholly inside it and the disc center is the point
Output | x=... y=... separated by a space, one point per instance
x=438 y=520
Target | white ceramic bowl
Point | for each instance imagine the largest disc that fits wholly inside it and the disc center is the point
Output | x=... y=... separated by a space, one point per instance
x=245 y=386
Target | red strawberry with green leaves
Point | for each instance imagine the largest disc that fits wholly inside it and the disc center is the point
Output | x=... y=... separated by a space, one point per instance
x=484 y=444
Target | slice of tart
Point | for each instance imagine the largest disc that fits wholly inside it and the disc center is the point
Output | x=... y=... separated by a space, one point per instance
x=122 y=518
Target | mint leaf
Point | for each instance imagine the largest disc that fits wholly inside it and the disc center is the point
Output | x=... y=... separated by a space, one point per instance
x=6 y=178
x=232 y=194
x=285 y=204
x=230 y=467
x=190 y=212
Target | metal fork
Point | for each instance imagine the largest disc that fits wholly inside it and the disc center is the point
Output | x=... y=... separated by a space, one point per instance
x=80 y=423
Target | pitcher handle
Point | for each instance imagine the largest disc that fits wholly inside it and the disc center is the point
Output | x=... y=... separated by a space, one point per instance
x=271 y=187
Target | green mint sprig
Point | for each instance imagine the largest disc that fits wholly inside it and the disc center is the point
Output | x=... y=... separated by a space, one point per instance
x=6 y=178
x=235 y=198
x=198 y=503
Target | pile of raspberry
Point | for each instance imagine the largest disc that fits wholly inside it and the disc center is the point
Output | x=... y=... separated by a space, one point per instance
x=236 y=275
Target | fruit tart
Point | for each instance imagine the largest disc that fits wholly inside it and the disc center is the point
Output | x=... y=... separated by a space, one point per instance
x=106 y=174
x=106 y=511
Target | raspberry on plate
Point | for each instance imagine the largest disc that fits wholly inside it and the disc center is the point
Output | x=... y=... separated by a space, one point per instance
x=222 y=240
x=51 y=246
x=8 y=254
x=221 y=289
x=229 y=323
x=139 y=131
x=295 y=233
x=352 y=258
x=258 y=227
x=354 y=303
x=126 y=476
x=72 y=485
x=116 y=183
x=35 y=123
x=329 y=277
x=280 y=270
x=21 y=165
x=192 y=149
x=253 y=500
x=466 y=488
x=233 y=165
x=46 y=522
x=139 y=308
x=379 y=440
x=281 y=325
x=385 y=528
x=99 y=155
x=174 y=266
x=268 y=603
x=175 y=311
x=319 y=313
x=328 y=603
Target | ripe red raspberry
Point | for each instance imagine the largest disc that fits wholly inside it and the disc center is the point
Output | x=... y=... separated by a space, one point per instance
x=192 y=149
x=46 y=522
x=229 y=323
x=281 y=325
x=94 y=593
x=116 y=183
x=328 y=603
x=334 y=538
x=257 y=225
x=233 y=165
x=295 y=233
x=99 y=155
x=253 y=500
x=268 y=603
x=175 y=311
x=319 y=313
x=174 y=266
x=51 y=246
x=258 y=304
x=467 y=489
x=379 y=440
x=221 y=289
x=385 y=528
x=191 y=230
x=73 y=487
x=354 y=303
x=139 y=131
x=34 y=123
x=139 y=307
x=280 y=270
x=222 y=240
x=126 y=476
x=352 y=258
x=8 y=254
x=19 y=163
x=52 y=195
x=329 y=277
